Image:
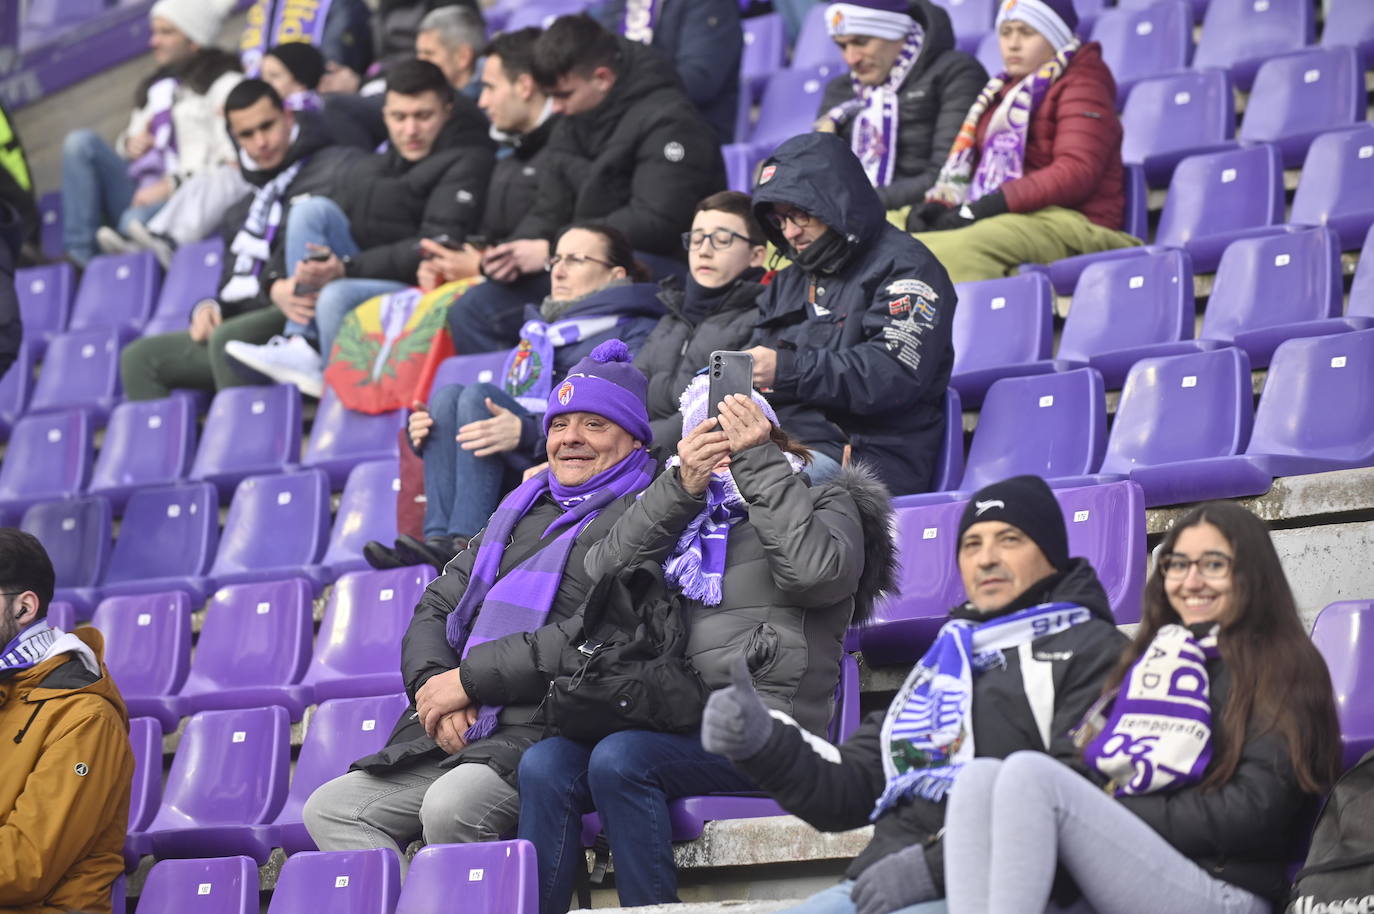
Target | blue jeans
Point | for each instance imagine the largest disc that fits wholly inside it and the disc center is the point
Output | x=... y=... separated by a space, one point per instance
x=822 y=468
x=461 y=490
x=836 y=900
x=628 y=777
x=488 y=316
x=317 y=220
x=340 y=297
x=96 y=191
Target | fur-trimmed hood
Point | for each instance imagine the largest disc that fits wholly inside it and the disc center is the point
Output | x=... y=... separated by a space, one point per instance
x=874 y=502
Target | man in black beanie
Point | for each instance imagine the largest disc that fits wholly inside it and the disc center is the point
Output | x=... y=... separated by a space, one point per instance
x=1014 y=669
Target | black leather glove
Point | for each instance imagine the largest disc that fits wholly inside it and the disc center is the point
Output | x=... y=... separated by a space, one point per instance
x=988 y=205
x=923 y=216
x=736 y=723
x=894 y=882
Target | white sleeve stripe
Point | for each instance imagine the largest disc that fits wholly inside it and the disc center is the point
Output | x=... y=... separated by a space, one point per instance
x=819 y=746
x=1037 y=676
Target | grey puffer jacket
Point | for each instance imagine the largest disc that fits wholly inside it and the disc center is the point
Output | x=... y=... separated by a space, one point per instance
x=807 y=561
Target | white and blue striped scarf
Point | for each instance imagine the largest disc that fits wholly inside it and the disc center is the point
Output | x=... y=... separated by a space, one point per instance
x=928 y=731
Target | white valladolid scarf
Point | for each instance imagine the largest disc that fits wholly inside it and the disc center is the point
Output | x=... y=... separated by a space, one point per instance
x=252 y=246
x=42 y=641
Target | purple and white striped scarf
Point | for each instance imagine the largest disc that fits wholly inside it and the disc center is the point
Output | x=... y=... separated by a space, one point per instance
x=1002 y=157
x=1157 y=735
x=528 y=374
x=161 y=159
x=274 y=22
x=252 y=246
x=640 y=19
x=40 y=641
x=876 y=113
x=521 y=599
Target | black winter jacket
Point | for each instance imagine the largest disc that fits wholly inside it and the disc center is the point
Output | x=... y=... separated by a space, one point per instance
x=639 y=161
x=11 y=328
x=934 y=98
x=515 y=182
x=863 y=340
x=835 y=789
x=677 y=349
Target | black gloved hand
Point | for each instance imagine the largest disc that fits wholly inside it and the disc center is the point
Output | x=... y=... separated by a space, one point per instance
x=923 y=216
x=894 y=882
x=736 y=723
x=986 y=206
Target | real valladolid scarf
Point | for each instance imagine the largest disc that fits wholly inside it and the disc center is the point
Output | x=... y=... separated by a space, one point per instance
x=252 y=246
x=40 y=641
x=1158 y=733
x=928 y=731
x=1003 y=156
x=521 y=599
x=528 y=373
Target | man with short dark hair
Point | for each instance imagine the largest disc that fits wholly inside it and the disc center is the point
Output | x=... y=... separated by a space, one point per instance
x=68 y=767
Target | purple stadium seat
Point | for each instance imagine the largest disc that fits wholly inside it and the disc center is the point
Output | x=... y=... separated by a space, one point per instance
x=249 y=431
x=253 y=647
x=338 y=733
x=741 y=161
x=15 y=387
x=1298 y=96
x=904 y=624
x=1140 y=43
x=1221 y=196
x=1167 y=118
x=342 y=438
x=1339 y=633
x=230 y=770
x=45 y=300
x=147 y=443
x=1106 y=526
x=481 y=367
x=989 y=52
x=342 y=882
x=1350 y=22
x=145 y=736
x=499 y=877
x=80 y=371
x=193 y=275
x=789 y=104
x=1265 y=288
x=1054 y=426
x=148 y=651
x=972 y=19
x=62 y=614
x=765 y=48
x=166 y=542
x=277 y=526
x=226 y=885
x=1002 y=329
x=360 y=636
x=1240 y=35
x=1337 y=185
x=76 y=534
x=1211 y=388
x=949 y=466
x=117 y=291
x=1127 y=310
x=814 y=45
x=47 y=458
x=367 y=511
x=50 y=213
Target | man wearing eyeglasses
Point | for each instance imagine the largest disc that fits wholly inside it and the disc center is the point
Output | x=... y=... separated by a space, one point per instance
x=853 y=339
x=67 y=769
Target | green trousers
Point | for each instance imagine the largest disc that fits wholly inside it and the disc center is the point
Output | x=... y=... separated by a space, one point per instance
x=994 y=247
x=154 y=366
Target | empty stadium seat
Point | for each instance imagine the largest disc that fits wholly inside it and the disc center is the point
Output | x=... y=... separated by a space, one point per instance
x=15 y=386
x=230 y=770
x=1002 y=329
x=76 y=534
x=341 y=882
x=47 y=458
x=45 y=301
x=1240 y=35
x=225 y=885
x=1266 y=287
x=814 y=45
x=972 y=19
x=147 y=443
x=1339 y=633
x=989 y=53
x=367 y=511
x=1298 y=96
x=1221 y=196
x=249 y=431
x=1167 y=118
x=117 y=292
x=479 y=368
x=1210 y=392
x=166 y=541
x=1140 y=43
x=145 y=738
x=277 y=527
x=949 y=466
x=341 y=438
x=1130 y=309
x=789 y=104
x=80 y=371
x=499 y=877
x=62 y=614
x=148 y=652
x=340 y=732
x=1106 y=525
x=765 y=49
x=359 y=644
x=1336 y=188
x=193 y=276
x=1350 y=22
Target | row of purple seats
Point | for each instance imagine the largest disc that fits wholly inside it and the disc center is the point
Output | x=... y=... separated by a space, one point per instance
x=256 y=644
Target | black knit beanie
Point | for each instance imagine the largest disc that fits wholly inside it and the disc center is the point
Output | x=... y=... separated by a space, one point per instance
x=1026 y=503
x=305 y=62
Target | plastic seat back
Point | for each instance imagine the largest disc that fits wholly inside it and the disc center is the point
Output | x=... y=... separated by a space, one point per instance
x=498 y=877
x=147 y=644
x=813 y=45
x=1340 y=634
x=276 y=526
x=254 y=635
x=193 y=276
x=249 y=431
x=1140 y=43
x=147 y=443
x=1166 y=116
x=80 y=371
x=1306 y=378
x=367 y=511
x=341 y=438
x=341 y=882
x=1106 y=525
x=1121 y=304
x=221 y=885
x=790 y=102
x=47 y=458
x=117 y=291
x=45 y=298
x=1336 y=188
x=1297 y=96
x=1239 y=35
x=76 y=534
x=167 y=532
x=1001 y=322
x=1221 y=192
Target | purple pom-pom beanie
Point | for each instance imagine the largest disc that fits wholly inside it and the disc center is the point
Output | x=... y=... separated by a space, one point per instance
x=605 y=383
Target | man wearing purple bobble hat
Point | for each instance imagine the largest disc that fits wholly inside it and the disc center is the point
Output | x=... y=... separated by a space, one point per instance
x=447 y=774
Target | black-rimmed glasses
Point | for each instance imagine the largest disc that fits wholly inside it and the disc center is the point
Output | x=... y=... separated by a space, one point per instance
x=720 y=239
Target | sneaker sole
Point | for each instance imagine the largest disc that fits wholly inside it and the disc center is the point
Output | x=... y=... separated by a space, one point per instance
x=310 y=385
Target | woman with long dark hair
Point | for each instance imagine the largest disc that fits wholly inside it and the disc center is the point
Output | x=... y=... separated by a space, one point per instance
x=1215 y=737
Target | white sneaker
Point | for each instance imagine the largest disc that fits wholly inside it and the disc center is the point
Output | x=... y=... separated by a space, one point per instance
x=284 y=359
x=111 y=242
x=143 y=237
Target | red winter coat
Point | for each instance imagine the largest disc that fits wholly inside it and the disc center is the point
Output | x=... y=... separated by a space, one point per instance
x=1073 y=151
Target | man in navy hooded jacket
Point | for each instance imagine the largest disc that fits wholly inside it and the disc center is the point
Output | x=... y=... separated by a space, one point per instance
x=854 y=338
